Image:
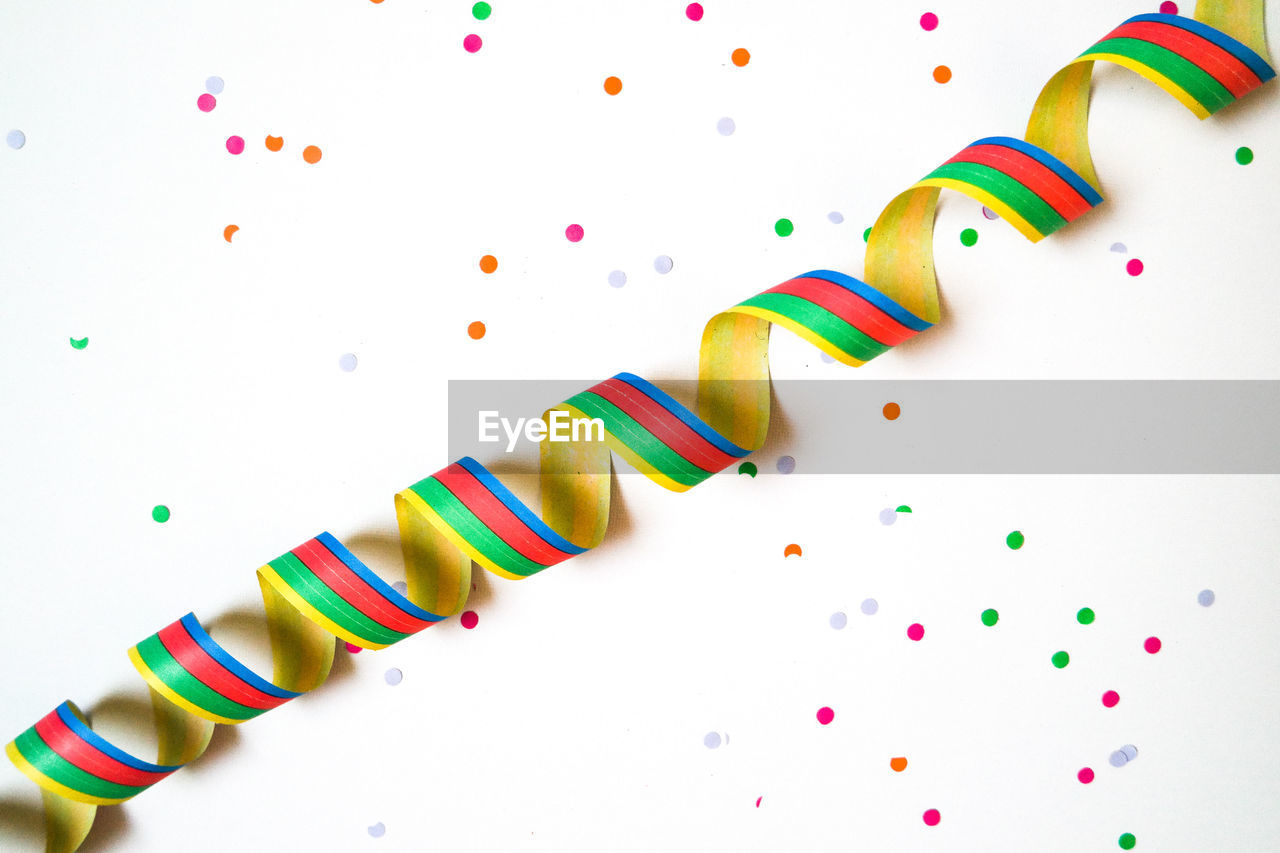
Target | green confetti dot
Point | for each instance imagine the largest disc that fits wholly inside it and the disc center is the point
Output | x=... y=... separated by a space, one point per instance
x=968 y=236
x=1085 y=616
x=160 y=513
x=783 y=227
x=747 y=468
x=1127 y=841
x=481 y=11
x=79 y=343
x=1015 y=539
x=990 y=617
x=1061 y=659
x=1244 y=155
x=866 y=235
x=903 y=508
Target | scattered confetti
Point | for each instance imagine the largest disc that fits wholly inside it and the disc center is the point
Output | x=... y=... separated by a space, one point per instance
x=471 y=43
x=574 y=233
x=1119 y=247
x=741 y=57
x=1127 y=841
x=748 y=468
x=663 y=264
x=711 y=740
x=235 y=144
x=1015 y=540
x=932 y=817
x=81 y=343
x=928 y=22
x=1085 y=616
x=206 y=102
x=214 y=85
x=274 y=143
x=786 y=464
x=968 y=236
x=347 y=361
x=476 y=330
x=1130 y=751
x=903 y=508
x=826 y=715
x=838 y=620
x=612 y=85
x=898 y=764
x=1244 y=155
x=792 y=549
x=1085 y=775
x=378 y=829
x=469 y=619
x=617 y=278
x=989 y=213
x=835 y=217
x=891 y=411
x=15 y=139
x=866 y=235
x=1168 y=8
x=726 y=126
x=942 y=74
x=1110 y=699
x=990 y=616
x=394 y=676
x=229 y=232
x=694 y=13
x=311 y=154
x=401 y=587
x=783 y=228
x=1060 y=659
x=1118 y=759
x=1134 y=267
x=826 y=359
x=160 y=513
x=1151 y=644
x=915 y=632
x=870 y=606
x=488 y=264
x=481 y=11
x=1205 y=597
x=758 y=799
x=353 y=648
x=888 y=516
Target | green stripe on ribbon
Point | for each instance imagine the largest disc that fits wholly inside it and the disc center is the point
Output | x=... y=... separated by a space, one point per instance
x=346 y=615
x=176 y=677
x=822 y=322
x=1038 y=212
x=461 y=518
x=43 y=757
x=639 y=440
x=1197 y=82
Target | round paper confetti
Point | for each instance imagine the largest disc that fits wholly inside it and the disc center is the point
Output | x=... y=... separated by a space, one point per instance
x=1118 y=759
x=1151 y=644
x=274 y=143
x=1205 y=597
x=1085 y=775
x=870 y=606
x=932 y=817
x=725 y=126
x=968 y=236
x=891 y=411
x=694 y=13
x=838 y=620
x=792 y=550
x=160 y=513
x=783 y=228
x=989 y=213
x=472 y=43
x=214 y=85
x=1244 y=155
x=990 y=617
x=748 y=468
x=401 y=587
x=826 y=715
x=1168 y=7
x=394 y=676
x=1110 y=699
x=1085 y=616
x=235 y=144
x=1060 y=659
x=617 y=278
x=481 y=11
x=888 y=516
x=612 y=85
x=663 y=264
x=711 y=740
x=311 y=154
x=1130 y=751
x=574 y=233
x=229 y=232
x=915 y=631
x=904 y=508
x=352 y=648
x=488 y=264
x=826 y=359
x=378 y=830
x=206 y=103
x=1134 y=267
x=758 y=799
x=15 y=139
x=928 y=22
x=1015 y=540
x=898 y=764
x=942 y=74
x=81 y=343
x=347 y=361
x=469 y=619
x=741 y=57
x=476 y=330
x=835 y=217
x=1127 y=841
x=786 y=464
x=866 y=236
x=1119 y=247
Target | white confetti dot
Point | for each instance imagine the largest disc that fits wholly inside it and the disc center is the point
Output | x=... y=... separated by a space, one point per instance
x=617 y=278
x=838 y=620
x=394 y=676
x=870 y=606
x=16 y=139
x=663 y=264
x=214 y=86
x=836 y=217
x=726 y=127
x=347 y=361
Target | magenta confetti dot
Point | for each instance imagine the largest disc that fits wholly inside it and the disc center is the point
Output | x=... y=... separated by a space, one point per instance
x=928 y=22
x=826 y=715
x=693 y=11
x=235 y=144
x=1085 y=775
x=1152 y=645
x=206 y=102
x=758 y=799
x=932 y=817
x=1167 y=8
x=353 y=648
x=574 y=233
x=1134 y=267
x=469 y=619
x=471 y=43
x=1110 y=699
x=915 y=631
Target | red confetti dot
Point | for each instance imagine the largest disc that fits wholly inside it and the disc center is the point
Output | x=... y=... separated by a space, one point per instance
x=1167 y=8
x=1085 y=775
x=469 y=619
x=206 y=102
x=471 y=43
x=932 y=817
x=915 y=631
x=928 y=21
x=826 y=715
x=1134 y=267
x=693 y=11
x=574 y=233
x=1152 y=645
x=1110 y=699
x=353 y=648
x=235 y=144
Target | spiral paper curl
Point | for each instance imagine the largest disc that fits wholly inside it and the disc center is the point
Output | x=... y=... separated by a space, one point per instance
x=463 y=514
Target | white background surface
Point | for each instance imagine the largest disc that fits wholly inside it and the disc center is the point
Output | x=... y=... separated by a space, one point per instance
x=572 y=717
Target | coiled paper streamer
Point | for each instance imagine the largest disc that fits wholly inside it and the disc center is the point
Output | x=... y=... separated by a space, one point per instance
x=463 y=514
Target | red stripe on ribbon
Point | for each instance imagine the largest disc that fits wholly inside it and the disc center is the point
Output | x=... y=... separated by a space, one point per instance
x=498 y=517
x=354 y=590
x=195 y=660
x=62 y=740
x=1236 y=77
x=1032 y=174
x=848 y=306
x=666 y=427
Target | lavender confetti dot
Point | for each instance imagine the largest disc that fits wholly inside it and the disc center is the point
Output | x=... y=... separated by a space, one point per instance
x=826 y=358
x=870 y=606
x=888 y=516
x=1118 y=759
x=989 y=213
x=711 y=740
x=16 y=139
x=617 y=278
x=394 y=676
x=726 y=127
x=378 y=830
x=1206 y=597
x=838 y=620
x=836 y=217
x=347 y=361
x=1130 y=751
x=663 y=264
x=1119 y=247
x=401 y=587
x=214 y=86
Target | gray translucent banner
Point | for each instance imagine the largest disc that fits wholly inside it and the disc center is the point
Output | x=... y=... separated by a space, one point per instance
x=949 y=426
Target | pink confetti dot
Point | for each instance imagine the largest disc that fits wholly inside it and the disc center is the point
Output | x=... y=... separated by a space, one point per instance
x=574 y=233
x=353 y=648
x=928 y=22
x=1167 y=8
x=932 y=817
x=1085 y=775
x=471 y=43
x=758 y=799
x=1134 y=267
x=469 y=619
x=1152 y=645
x=1110 y=699
x=235 y=144
x=206 y=102
x=915 y=631
x=826 y=715
x=693 y=11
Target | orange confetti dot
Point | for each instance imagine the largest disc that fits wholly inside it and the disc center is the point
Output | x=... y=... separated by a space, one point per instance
x=476 y=330
x=942 y=74
x=311 y=154
x=612 y=85
x=741 y=57
x=898 y=764
x=891 y=411
x=488 y=264
x=229 y=231
x=792 y=549
x=275 y=143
